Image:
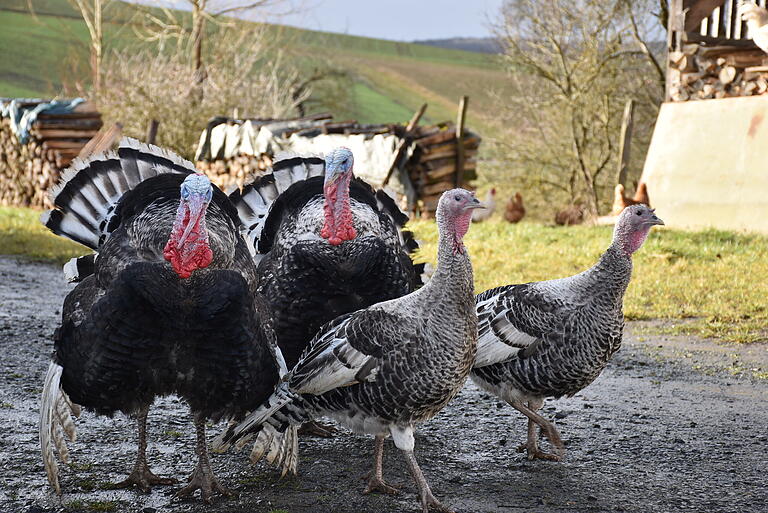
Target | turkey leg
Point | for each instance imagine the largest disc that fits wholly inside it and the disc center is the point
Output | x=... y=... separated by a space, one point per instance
x=428 y=500
x=546 y=426
x=203 y=478
x=141 y=476
x=375 y=477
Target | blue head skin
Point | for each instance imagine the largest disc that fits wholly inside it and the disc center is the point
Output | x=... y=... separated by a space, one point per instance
x=338 y=164
x=196 y=194
x=339 y=224
x=187 y=248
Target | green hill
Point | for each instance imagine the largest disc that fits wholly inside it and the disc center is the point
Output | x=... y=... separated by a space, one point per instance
x=41 y=52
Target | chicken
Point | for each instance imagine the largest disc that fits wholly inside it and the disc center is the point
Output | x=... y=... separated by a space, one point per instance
x=490 y=202
x=620 y=202
x=515 y=210
x=757 y=23
x=571 y=215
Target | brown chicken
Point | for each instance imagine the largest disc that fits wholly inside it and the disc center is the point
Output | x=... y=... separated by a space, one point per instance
x=620 y=202
x=515 y=210
x=570 y=215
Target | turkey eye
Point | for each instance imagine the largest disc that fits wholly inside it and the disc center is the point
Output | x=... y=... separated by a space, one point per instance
x=639 y=213
x=184 y=193
x=457 y=197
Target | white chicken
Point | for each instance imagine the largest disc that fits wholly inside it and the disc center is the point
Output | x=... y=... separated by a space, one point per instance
x=757 y=23
x=490 y=206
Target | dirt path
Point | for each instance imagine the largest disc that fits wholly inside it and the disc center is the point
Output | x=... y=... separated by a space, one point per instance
x=670 y=426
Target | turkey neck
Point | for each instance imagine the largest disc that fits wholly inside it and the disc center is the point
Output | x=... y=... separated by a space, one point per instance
x=452 y=279
x=609 y=277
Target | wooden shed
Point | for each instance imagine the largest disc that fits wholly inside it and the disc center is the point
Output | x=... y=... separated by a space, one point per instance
x=706 y=165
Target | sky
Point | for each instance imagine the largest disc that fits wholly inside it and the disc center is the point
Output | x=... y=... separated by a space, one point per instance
x=400 y=20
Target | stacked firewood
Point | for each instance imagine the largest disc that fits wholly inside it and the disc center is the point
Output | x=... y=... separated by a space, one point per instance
x=433 y=166
x=233 y=173
x=28 y=171
x=718 y=72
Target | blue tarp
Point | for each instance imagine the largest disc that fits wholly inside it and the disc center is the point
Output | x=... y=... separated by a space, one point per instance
x=23 y=117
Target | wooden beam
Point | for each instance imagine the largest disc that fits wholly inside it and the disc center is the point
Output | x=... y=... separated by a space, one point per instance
x=460 y=140
x=625 y=143
x=402 y=145
x=675 y=22
x=152 y=131
x=697 y=10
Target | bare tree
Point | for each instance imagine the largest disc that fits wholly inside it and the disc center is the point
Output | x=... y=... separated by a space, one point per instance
x=244 y=73
x=92 y=12
x=573 y=65
x=165 y=23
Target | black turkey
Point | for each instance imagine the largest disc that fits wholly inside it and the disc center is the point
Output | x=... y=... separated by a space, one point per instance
x=170 y=308
x=326 y=244
x=383 y=369
x=553 y=338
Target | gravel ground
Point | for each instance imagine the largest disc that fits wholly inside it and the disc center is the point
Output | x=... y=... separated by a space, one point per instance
x=673 y=424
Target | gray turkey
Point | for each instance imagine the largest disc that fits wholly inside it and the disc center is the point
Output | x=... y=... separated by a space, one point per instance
x=170 y=307
x=383 y=369
x=326 y=244
x=553 y=338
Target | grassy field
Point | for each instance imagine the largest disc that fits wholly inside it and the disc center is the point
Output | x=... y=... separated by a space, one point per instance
x=391 y=79
x=706 y=280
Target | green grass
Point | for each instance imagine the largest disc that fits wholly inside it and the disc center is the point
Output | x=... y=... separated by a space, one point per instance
x=22 y=234
x=392 y=79
x=710 y=279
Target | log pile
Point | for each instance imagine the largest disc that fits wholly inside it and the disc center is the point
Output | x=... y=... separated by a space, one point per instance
x=702 y=72
x=28 y=171
x=229 y=174
x=432 y=168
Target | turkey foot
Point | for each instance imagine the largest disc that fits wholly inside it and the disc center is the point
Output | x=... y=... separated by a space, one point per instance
x=378 y=485
x=318 y=429
x=534 y=453
x=549 y=429
x=143 y=478
x=427 y=500
x=204 y=480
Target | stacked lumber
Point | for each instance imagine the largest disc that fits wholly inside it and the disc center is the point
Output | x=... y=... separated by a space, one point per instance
x=701 y=72
x=432 y=168
x=231 y=152
x=229 y=174
x=28 y=171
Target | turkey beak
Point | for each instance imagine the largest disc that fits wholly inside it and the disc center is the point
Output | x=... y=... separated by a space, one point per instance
x=475 y=203
x=654 y=221
x=196 y=205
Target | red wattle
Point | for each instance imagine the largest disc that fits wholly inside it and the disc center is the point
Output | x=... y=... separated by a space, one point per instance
x=194 y=253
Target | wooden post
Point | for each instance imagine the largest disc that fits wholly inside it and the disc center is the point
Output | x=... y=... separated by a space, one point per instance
x=152 y=131
x=402 y=144
x=460 y=141
x=625 y=143
x=675 y=30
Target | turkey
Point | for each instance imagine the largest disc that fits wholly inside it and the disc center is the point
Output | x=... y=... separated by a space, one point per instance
x=170 y=307
x=326 y=244
x=553 y=338
x=383 y=369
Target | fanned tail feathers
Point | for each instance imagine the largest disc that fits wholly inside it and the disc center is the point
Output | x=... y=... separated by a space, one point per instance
x=388 y=206
x=274 y=434
x=86 y=196
x=56 y=422
x=256 y=198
